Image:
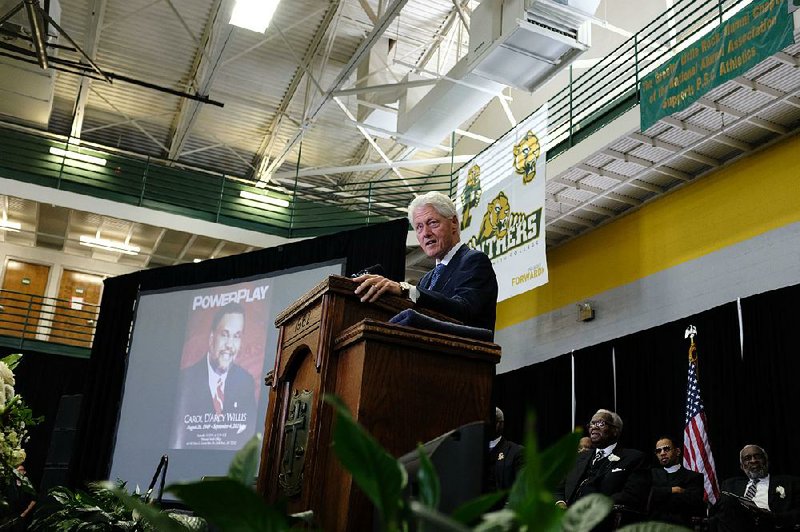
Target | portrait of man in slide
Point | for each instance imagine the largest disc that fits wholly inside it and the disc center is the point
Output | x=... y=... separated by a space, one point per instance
x=217 y=392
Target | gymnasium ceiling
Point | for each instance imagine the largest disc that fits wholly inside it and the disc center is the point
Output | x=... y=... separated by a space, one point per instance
x=266 y=95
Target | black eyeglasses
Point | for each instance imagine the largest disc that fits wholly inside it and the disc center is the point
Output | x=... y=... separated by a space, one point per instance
x=664 y=449
x=600 y=423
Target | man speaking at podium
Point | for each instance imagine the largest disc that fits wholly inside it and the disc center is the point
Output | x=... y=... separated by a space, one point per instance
x=463 y=284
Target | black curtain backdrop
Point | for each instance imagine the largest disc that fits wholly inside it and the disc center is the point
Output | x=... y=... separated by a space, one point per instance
x=766 y=394
x=41 y=380
x=748 y=399
x=544 y=389
x=384 y=244
x=594 y=381
x=652 y=375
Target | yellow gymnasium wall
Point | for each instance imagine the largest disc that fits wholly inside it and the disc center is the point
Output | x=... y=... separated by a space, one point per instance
x=738 y=202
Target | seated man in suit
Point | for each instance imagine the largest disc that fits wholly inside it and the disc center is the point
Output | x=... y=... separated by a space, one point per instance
x=585 y=444
x=506 y=458
x=676 y=494
x=609 y=469
x=463 y=285
x=759 y=501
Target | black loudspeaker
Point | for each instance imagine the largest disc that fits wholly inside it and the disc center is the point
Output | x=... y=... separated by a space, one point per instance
x=62 y=440
x=459 y=458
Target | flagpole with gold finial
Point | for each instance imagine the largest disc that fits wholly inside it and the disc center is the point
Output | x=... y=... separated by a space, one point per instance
x=691 y=332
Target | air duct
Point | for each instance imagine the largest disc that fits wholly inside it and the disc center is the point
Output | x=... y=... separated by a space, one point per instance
x=26 y=91
x=516 y=43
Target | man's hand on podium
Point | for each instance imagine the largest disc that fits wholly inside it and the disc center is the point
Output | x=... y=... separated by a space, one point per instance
x=372 y=287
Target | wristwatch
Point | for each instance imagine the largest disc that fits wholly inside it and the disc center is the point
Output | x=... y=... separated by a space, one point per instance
x=405 y=288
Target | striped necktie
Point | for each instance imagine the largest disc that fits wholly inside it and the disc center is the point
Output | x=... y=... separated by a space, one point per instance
x=437 y=272
x=219 y=397
x=597 y=457
x=751 y=489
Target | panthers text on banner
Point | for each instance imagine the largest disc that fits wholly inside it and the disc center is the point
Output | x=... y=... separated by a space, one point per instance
x=501 y=202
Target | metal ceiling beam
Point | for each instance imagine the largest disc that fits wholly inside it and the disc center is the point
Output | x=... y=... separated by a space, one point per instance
x=386 y=18
x=705 y=132
x=445 y=30
x=373 y=166
x=185 y=249
x=368 y=10
x=133 y=122
x=97 y=12
x=386 y=87
x=461 y=15
x=620 y=177
x=261 y=159
x=156 y=243
x=668 y=146
x=216 y=35
x=715 y=135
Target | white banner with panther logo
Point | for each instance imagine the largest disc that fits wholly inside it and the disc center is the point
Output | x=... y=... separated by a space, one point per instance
x=501 y=203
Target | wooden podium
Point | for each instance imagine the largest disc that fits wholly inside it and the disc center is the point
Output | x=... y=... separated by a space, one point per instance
x=403 y=385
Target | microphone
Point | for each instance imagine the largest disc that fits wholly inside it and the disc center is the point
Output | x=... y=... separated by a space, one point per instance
x=375 y=269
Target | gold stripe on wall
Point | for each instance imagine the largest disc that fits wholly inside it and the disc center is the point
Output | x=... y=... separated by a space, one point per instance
x=750 y=197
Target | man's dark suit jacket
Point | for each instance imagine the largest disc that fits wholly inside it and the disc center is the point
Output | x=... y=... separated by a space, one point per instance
x=196 y=399
x=505 y=461
x=626 y=481
x=671 y=507
x=786 y=509
x=466 y=289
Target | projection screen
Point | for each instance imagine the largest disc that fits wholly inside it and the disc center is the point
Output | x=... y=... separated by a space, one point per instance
x=194 y=383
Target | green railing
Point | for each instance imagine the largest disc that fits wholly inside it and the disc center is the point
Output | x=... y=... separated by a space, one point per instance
x=588 y=103
x=46 y=324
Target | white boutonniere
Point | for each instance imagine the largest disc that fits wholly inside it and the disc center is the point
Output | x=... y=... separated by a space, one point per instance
x=617 y=470
x=613 y=458
x=780 y=491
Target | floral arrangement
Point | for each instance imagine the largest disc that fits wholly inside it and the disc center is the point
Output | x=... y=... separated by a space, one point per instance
x=15 y=421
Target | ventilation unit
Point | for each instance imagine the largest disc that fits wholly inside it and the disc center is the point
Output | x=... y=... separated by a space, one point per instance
x=26 y=91
x=516 y=43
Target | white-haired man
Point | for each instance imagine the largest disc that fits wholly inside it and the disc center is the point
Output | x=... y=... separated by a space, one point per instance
x=759 y=500
x=463 y=284
x=609 y=469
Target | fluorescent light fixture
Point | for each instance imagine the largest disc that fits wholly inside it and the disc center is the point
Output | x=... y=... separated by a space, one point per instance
x=5 y=225
x=78 y=156
x=109 y=245
x=246 y=194
x=253 y=15
x=197 y=260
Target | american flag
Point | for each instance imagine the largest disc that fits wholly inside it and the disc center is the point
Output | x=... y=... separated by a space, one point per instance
x=697 y=450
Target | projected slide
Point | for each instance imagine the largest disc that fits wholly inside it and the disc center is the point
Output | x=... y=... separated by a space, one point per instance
x=194 y=385
x=223 y=356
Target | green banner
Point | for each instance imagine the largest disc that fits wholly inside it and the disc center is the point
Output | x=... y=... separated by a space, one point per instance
x=757 y=32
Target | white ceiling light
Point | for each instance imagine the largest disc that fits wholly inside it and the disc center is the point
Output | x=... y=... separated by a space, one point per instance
x=5 y=225
x=246 y=194
x=109 y=245
x=253 y=15
x=77 y=156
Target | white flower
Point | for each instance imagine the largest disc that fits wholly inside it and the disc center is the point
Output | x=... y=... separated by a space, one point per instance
x=613 y=458
x=780 y=491
x=6 y=375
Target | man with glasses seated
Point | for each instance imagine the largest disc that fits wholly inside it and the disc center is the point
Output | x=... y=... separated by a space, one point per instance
x=759 y=501
x=608 y=469
x=676 y=494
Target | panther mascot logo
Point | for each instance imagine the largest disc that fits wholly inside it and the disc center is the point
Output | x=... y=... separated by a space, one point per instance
x=471 y=196
x=525 y=154
x=495 y=221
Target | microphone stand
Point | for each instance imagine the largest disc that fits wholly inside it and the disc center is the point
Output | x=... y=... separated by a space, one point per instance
x=162 y=469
